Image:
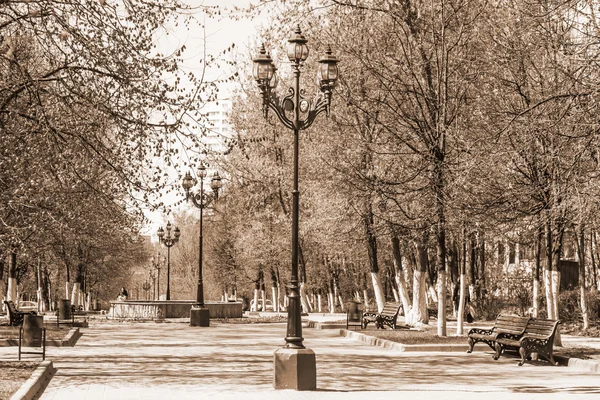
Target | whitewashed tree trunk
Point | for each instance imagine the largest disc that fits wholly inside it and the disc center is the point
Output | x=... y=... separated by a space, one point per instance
x=67 y=289
x=395 y=293
x=303 y=299
x=75 y=295
x=418 y=312
x=331 y=302
x=263 y=300
x=432 y=293
x=366 y=299
x=274 y=297
x=555 y=292
x=11 y=294
x=441 y=291
x=320 y=305
x=341 y=300
x=549 y=294
x=584 y=308
x=255 y=307
x=378 y=290
x=2 y=294
x=401 y=283
x=460 y=317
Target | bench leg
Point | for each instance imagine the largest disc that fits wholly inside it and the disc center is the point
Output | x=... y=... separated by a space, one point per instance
x=499 y=350
x=524 y=354
x=471 y=343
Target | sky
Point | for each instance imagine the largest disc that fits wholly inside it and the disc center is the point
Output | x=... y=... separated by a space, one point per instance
x=215 y=36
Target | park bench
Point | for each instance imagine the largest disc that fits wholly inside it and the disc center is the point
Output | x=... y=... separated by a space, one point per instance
x=15 y=317
x=537 y=338
x=387 y=316
x=511 y=326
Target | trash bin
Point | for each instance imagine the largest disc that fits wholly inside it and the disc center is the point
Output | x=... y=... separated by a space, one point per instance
x=64 y=309
x=353 y=312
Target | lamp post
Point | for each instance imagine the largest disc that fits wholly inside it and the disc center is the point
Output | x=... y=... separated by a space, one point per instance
x=168 y=240
x=199 y=315
x=297 y=113
x=157 y=265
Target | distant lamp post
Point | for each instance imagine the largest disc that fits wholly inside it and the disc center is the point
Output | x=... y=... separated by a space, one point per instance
x=169 y=239
x=296 y=112
x=199 y=315
x=156 y=264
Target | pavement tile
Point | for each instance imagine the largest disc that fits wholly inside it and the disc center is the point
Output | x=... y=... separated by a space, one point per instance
x=131 y=360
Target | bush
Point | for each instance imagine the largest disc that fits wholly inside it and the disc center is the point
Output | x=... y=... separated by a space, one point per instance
x=569 y=308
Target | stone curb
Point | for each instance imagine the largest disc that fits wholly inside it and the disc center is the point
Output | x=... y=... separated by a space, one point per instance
x=36 y=383
x=70 y=339
x=591 y=366
x=388 y=344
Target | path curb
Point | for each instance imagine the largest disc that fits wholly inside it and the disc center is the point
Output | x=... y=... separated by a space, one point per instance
x=70 y=340
x=388 y=344
x=591 y=366
x=36 y=383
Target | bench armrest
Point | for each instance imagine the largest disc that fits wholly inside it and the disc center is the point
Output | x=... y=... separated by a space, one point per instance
x=370 y=314
x=481 y=331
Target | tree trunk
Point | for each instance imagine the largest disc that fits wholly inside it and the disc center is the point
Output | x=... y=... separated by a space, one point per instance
x=399 y=275
x=460 y=318
x=319 y=303
x=536 y=272
x=547 y=272
x=373 y=263
x=11 y=294
x=303 y=298
x=581 y=256
x=594 y=277
x=419 y=313
x=274 y=298
x=255 y=307
x=2 y=283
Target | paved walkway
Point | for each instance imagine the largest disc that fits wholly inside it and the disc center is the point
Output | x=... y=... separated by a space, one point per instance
x=235 y=361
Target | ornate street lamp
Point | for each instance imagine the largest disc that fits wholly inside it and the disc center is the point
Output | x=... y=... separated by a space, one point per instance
x=199 y=315
x=168 y=239
x=296 y=112
x=156 y=264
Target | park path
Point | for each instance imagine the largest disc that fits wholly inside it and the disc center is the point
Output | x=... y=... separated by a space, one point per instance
x=125 y=360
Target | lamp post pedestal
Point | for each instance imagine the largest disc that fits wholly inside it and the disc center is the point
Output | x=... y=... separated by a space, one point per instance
x=295 y=369
x=199 y=317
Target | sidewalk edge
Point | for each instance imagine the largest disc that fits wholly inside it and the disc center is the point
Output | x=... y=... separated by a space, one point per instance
x=36 y=383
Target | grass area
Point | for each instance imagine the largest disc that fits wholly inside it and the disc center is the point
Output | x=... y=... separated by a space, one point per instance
x=13 y=374
x=52 y=332
x=406 y=336
x=253 y=320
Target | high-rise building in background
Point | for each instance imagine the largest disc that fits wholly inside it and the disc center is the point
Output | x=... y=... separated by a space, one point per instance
x=219 y=129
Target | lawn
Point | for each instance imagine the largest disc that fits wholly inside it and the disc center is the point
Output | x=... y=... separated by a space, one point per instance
x=13 y=374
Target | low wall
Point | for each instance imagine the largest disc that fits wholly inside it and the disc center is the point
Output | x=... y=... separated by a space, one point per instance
x=148 y=309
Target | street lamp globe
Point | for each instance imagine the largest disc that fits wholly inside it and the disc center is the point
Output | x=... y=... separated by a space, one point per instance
x=176 y=234
x=216 y=183
x=263 y=66
x=161 y=233
x=328 y=70
x=297 y=49
x=188 y=182
x=201 y=171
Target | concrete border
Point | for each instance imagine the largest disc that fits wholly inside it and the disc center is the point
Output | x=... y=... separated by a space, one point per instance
x=590 y=366
x=388 y=344
x=70 y=339
x=36 y=383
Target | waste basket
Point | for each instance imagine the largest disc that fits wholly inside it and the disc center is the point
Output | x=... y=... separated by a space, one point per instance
x=64 y=309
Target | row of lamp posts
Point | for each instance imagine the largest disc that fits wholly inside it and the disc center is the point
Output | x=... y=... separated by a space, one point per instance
x=295 y=365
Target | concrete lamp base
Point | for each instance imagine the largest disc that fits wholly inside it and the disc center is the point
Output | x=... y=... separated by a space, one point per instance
x=199 y=317
x=295 y=369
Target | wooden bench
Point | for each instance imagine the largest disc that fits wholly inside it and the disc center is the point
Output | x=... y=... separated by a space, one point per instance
x=537 y=338
x=15 y=317
x=387 y=316
x=510 y=326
